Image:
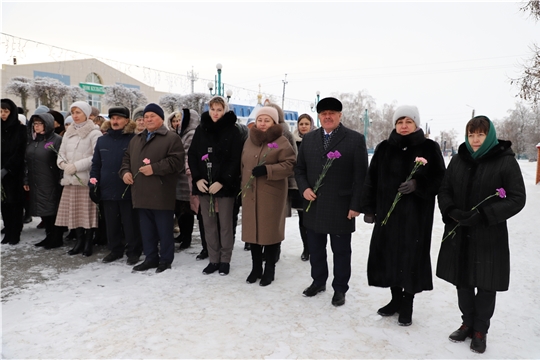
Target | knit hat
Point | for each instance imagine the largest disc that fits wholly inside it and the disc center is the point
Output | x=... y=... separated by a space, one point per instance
x=270 y=111
x=69 y=120
x=84 y=106
x=138 y=113
x=329 y=103
x=120 y=111
x=409 y=111
x=41 y=109
x=155 y=108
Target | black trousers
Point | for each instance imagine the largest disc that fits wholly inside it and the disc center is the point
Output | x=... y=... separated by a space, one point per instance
x=477 y=308
x=122 y=225
x=341 y=248
x=12 y=214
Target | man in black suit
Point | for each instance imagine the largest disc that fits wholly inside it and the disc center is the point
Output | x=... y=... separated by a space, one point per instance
x=336 y=204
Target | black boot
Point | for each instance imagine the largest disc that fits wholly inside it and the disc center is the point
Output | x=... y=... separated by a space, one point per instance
x=271 y=252
x=256 y=260
x=406 y=309
x=185 y=222
x=48 y=222
x=88 y=242
x=79 y=233
x=305 y=252
x=56 y=238
x=393 y=306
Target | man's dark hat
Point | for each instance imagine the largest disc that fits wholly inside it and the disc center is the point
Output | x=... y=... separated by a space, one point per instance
x=329 y=103
x=120 y=111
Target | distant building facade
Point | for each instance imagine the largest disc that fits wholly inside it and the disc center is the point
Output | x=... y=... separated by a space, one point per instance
x=90 y=74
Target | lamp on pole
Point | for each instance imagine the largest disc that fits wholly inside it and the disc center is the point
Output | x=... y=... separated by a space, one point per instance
x=314 y=105
x=366 y=125
x=472 y=115
x=229 y=94
x=220 y=89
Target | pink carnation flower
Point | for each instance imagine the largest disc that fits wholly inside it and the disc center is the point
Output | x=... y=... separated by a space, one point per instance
x=93 y=181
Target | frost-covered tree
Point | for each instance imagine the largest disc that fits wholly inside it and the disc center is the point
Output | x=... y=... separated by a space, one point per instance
x=170 y=102
x=75 y=93
x=49 y=91
x=195 y=101
x=119 y=95
x=529 y=82
x=20 y=86
x=354 y=108
x=522 y=128
x=381 y=125
x=447 y=140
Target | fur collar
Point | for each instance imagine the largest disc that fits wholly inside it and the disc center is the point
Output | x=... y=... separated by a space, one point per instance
x=227 y=120
x=82 y=132
x=404 y=141
x=128 y=129
x=259 y=137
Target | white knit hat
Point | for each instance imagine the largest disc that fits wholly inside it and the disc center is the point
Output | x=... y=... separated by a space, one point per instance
x=84 y=106
x=409 y=111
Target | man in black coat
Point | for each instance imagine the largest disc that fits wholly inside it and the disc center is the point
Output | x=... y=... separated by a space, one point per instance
x=122 y=219
x=335 y=205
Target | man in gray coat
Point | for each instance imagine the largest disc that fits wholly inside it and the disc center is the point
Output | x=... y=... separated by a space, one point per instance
x=336 y=203
x=151 y=166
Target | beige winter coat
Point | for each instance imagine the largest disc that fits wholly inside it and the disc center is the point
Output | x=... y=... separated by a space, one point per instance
x=264 y=203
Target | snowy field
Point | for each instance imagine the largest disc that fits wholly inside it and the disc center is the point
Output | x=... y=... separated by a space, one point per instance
x=104 y=311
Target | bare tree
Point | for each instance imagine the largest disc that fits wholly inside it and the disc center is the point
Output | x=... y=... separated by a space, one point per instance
x=49 y=91
x=119 y=95
x=75 y=93
x=195 y=101
x=20 y=86
x=447 y=140
x=529 y=82
x=170 y=102
x=521 y=128
x=382 y=125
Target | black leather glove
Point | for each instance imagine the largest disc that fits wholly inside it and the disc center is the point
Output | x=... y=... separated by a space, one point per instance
x=95 y=194
x=472 y=218
x=369 y=218
x=407 y=187
x=259 y=171
x=457 y=214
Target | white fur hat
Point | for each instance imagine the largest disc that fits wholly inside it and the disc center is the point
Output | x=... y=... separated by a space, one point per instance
x=409 y=111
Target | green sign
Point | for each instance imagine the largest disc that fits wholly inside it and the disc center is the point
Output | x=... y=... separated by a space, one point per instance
x=92 y=88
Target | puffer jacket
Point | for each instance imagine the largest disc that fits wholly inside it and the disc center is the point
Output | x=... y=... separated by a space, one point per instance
x=42 y=174
x=78 y=148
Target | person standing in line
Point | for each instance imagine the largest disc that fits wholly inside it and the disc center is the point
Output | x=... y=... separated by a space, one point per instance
x=184 y=124
x=122 y=225
x=399 y=253
x=138 y=117
x=264 y=200
x=304 y=125
x=336 y=204
x=42 y=179
x=216 y=148
x=13 y=151
x=151 y=166
x=475 y=255
x=76 y=210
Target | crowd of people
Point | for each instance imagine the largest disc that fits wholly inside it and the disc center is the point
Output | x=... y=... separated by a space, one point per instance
x=126 y=180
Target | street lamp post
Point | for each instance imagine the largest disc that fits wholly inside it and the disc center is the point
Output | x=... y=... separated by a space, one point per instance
x=314 y=105
x=366 y=125
x=220 y=89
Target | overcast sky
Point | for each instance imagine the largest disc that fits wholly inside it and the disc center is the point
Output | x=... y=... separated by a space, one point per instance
x=446 y=58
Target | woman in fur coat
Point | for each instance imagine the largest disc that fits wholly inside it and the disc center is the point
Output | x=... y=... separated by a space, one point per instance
x=265 y=171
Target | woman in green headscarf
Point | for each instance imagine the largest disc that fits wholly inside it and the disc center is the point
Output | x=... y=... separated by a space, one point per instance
x=476 y=259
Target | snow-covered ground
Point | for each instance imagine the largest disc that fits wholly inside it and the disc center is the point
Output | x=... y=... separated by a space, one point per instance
x=101 y=310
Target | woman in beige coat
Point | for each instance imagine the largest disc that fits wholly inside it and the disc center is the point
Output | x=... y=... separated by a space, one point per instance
x=267 y=161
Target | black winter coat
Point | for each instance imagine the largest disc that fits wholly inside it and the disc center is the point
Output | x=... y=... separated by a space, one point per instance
x=43 y=175
x=342 y=184
x=399 y=253
x=107 y=160
x=13 y=150
x=223 y=142
x=479 y=256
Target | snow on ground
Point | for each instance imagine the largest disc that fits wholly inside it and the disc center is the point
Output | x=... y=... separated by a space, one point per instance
x=96 y=310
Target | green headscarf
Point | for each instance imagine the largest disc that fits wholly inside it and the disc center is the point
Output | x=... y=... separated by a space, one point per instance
x=490 y=142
